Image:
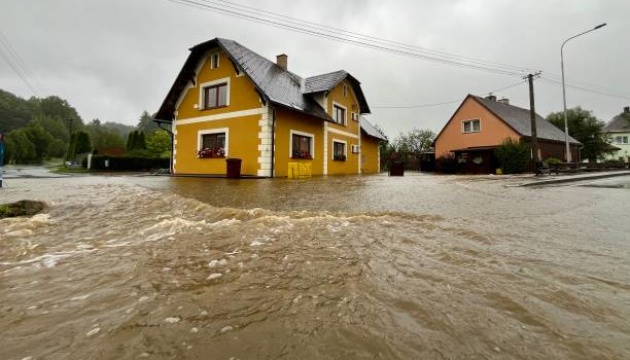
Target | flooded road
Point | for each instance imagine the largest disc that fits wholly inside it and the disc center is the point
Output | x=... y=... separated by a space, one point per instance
x=422 y=267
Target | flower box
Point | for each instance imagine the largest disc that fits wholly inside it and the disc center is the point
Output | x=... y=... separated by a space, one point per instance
x=301 y=155
x=207 y=153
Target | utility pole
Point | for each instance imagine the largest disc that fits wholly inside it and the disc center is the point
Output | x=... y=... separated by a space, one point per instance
x=1 y=157
x=532 y=114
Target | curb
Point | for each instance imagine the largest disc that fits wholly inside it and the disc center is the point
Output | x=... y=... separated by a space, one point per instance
x=576 y=178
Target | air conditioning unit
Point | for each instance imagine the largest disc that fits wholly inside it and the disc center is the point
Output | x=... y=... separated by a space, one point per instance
x=354 y=149
x=355 y=116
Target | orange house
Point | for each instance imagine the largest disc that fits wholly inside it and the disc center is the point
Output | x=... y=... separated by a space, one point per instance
x=230 y=102
x=480 y=125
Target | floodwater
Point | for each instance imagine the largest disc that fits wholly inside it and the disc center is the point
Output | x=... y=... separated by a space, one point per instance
x=418 y=267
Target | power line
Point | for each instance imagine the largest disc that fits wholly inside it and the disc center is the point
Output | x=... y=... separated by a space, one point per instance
x=322 y=31
x=18 y=65
x=441 y=103
x=559 y=83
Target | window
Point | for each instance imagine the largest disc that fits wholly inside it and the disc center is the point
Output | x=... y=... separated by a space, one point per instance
x=339 y=151
x=212 y=145
x=345 y=90
x=471 y=126
x=301 y=146
x=621 y=139
x=339 y=114
x=215 y=96
x=214 y=61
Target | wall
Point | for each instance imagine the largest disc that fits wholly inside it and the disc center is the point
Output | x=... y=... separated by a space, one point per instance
x=241 y=117
x=493 y=131
x=369 y=155
x=287 y=120
x=349 y=133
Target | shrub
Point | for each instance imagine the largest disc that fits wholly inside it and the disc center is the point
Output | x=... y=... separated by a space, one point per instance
x=513 y=156
x=128 y=163
x=446 y=164
x=552 y=161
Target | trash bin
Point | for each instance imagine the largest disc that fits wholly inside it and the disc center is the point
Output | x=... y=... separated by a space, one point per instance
x=233 y=168
x=396 y=168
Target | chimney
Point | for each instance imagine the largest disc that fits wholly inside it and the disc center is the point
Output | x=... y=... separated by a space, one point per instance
x=505 y=101
x=626 y=110
x=491 y=97
x=282 y=61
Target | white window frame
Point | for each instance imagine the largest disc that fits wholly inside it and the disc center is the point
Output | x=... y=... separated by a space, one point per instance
x=213 y=83
x=345 y=113
x=472 y=131
x=345 y=148
x=201 y=133
x=212 y=62
x=296 y=132
x=355 y=116
x=621 y=139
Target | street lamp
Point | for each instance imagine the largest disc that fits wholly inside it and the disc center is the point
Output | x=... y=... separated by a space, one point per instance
x=564 y=92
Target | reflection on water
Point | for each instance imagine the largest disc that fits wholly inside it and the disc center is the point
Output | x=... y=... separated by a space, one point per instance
x=338 y=267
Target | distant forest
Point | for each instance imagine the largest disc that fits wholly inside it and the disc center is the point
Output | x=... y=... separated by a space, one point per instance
x=38 y=129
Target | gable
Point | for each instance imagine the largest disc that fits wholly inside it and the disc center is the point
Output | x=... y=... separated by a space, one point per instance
x=493 y=131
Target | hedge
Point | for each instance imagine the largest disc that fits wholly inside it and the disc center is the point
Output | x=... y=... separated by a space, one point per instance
x=127 y=163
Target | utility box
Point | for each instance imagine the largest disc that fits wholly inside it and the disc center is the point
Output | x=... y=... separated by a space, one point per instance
x=397 y=168
x=233 y=168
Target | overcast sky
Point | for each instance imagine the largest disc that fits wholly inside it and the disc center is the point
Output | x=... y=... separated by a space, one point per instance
x=112 y=59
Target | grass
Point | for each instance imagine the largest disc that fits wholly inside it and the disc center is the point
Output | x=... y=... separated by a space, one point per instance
x=5 y=211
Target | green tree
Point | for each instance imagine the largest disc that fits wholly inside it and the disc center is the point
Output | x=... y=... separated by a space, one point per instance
x=585 y=128
x=15 y=112
x=58 y=108
x=20 y=149
x=136 y=142
x=40 y=138
x=105 y=135
x=146 y=124
x=83 y=143
x=159 y=144
x=513 y=156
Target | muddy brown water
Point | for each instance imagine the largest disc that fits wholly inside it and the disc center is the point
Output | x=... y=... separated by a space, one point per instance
x=419 y=267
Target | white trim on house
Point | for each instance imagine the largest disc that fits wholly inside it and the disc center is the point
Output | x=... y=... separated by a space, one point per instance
x=265 y=143
x=224 y=116
x=345 y=148
x=212 y=57
x=225 y=130
x=296 y=132
x=325 y=169
x=226 y=80
x=345 y=113
x=341 y=132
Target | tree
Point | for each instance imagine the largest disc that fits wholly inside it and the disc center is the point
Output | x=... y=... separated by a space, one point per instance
x=146 y=123
x=15 y=112
x=159 y=144
x=585 y=128
x=83 y=144
x=513 y=156
x=136 y=142
x=105 y=135
x=19 y=148
x=40 y=139
x=416 y=142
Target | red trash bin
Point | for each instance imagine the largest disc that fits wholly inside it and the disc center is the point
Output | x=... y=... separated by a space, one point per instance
x=233 y=168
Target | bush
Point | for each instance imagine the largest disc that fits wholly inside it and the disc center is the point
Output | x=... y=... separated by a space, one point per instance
x=513 y=156
x=127 y=163
x=614 y=164
x=552 y=161
x=446 y=164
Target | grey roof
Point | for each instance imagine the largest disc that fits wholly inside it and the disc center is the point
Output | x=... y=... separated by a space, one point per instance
x=620 y=123
x=273 y=83
x=324 y=82
x=371 y=130
x=519 y=120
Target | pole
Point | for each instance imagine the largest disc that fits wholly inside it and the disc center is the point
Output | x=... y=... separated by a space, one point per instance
x=532 y=115
x=567 y=153
x=1 y=157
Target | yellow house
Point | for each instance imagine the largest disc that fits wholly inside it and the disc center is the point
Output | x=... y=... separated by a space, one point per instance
x=229 y=102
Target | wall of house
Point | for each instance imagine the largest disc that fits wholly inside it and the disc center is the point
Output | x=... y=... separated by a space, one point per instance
x=556 y=150
x=287 y=120
x=240 y=117
x=350 y=132
x=493 y=130
x=624 y=153
x=242 y=143
x=369 y=155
